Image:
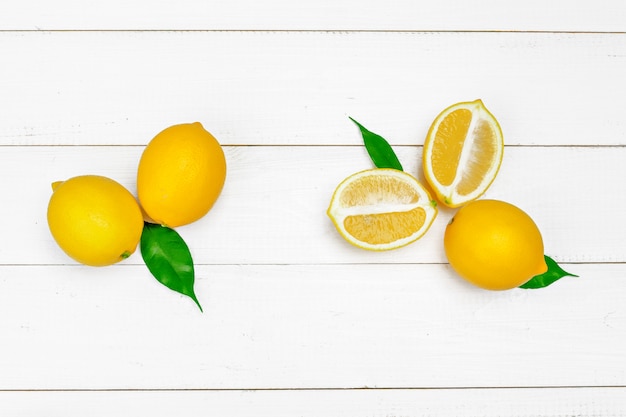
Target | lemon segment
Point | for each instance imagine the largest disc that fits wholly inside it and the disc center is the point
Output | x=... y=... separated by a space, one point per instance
x=381 y=209
x=462 y=152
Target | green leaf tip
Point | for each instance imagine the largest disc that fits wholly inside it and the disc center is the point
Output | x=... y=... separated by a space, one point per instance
x=168 y=259
x=553 y=274
x=379 y=150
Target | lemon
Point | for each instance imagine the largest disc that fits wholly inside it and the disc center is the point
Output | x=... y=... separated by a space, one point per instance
x=381 y=209
x=181 y=174
x=94 y=219
x=462 y=152
x=494 y=245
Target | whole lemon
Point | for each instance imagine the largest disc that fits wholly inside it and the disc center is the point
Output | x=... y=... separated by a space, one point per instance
x=494 y=245
x=94 y=219
x=181 y=174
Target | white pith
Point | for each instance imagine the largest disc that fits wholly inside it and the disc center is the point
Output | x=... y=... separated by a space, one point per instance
x=449 y=192
x=339 y=213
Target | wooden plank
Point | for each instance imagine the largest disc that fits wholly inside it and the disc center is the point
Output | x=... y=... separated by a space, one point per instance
x=600 y=15
x=273 y=207
x=336 y=403
x=296 y=321
x=80 y=88
x=307 y=326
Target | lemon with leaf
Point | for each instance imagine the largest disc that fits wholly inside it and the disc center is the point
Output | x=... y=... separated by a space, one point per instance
x=494 y=245
x=181 y=174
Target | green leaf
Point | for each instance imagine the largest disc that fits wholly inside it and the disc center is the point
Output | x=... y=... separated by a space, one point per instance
x=553 y=274
x=168 y=258
x=379 y=149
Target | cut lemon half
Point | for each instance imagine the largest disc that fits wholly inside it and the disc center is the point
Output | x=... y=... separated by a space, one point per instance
x=462 y=152
x=381 y=209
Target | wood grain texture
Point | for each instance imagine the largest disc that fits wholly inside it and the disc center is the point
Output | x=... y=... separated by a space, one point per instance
x=309 y=326
x=599 y=15
x=298 y=88
x=296 y=321
x=545 y=402
x=273 y=206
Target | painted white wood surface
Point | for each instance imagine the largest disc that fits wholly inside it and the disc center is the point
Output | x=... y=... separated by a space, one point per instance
x=313 y=403
x=298 y=88
x=303 y=326
x=273 y=207
x=582 y=15
x=296 y=321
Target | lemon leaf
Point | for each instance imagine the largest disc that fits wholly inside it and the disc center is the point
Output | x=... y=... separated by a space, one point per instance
x=379 y=149
x=553 y=274
x=168 y=258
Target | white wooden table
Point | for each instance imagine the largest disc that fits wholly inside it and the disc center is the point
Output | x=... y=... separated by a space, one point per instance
x=297 y=322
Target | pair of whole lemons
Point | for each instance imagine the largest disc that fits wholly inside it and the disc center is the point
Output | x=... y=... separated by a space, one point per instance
x=98 y=222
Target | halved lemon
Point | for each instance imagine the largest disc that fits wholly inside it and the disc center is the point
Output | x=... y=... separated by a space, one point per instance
x=462 y=153
x=381 y=209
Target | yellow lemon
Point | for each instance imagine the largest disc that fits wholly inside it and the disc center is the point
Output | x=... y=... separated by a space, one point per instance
x=494 y=245
x=94 y=219
x=381 y=209
x=181 y=174
x=462 y=152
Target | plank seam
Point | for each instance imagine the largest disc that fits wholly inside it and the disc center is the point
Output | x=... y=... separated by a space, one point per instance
x=338 y=30
x=313 y=389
